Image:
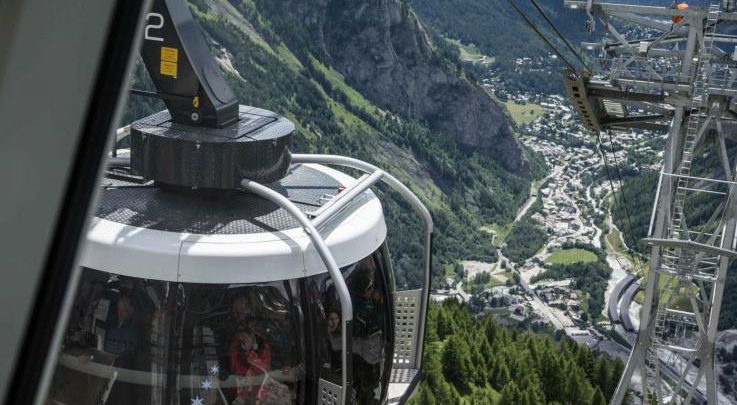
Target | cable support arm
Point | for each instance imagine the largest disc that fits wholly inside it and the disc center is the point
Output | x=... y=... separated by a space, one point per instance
x=184 y=72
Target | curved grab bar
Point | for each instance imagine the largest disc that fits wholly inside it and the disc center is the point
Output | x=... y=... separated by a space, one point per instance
x=375 y=175
x=346 y=305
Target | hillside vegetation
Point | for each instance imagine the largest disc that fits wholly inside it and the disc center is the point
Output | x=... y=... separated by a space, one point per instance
x=495 y=29
x=476 y=361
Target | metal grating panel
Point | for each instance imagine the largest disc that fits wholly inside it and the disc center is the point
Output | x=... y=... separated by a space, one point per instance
x=402 y=385
x=224 y=213
x=406 y=317
x=613 y=108
x=329 y=393
x=402 y=375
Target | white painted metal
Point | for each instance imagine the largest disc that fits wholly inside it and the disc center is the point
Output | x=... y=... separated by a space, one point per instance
x=356 y=231
x=411 y=306
x=353 y=229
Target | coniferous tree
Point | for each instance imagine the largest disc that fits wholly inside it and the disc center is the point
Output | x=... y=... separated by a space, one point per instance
x=443 y=391
x=532 y=346
x=445 y=325
x=501 y=377
x=603 y=376
x=598 y=398
x=424 y=397
x=481 y=396
x=457 y=365
x=617 y=370
x=431 y=328
x=478 y=363
x=490 y=329
x=479 y=360
x=486 y=351
x=551 y=376
x=511 y=395
x=531 y=386
x=586 y=362
x=578 y=389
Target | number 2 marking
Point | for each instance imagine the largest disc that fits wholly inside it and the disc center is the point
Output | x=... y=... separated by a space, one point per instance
x=154 y=26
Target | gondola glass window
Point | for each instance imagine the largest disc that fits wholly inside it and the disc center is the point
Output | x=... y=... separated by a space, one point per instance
x=370 y=285
x=137 y=341
x=142 y=341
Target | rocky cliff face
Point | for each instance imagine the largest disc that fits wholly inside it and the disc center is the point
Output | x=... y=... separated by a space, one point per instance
x=385 y=52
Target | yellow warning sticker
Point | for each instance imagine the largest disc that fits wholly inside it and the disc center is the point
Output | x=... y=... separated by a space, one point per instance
x=168 y=68
x=169 y=54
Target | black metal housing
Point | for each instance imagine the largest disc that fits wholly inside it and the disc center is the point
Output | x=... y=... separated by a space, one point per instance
x=256 y=147
x=183 y=70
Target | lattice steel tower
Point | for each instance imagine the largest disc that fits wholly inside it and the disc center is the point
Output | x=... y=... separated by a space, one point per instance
x=673 y=70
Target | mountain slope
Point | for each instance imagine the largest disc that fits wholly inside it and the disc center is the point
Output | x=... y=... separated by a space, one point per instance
x=282 y=63
x=496 y=29
x=385 y=53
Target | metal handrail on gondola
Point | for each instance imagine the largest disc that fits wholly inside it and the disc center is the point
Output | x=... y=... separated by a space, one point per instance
x=376 y=175
x=331 y=208
x=346 y=305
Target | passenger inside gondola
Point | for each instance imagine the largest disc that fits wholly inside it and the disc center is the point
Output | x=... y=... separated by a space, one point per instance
x=123 y=336
x=136 y=341
x=123 y=339
x=334 y=339
x=250 y=360
x=226 y=329
x=105 y=342
x=114 y=343
x=371 y=345
x=369 y=327
x=253 y=346
x=276 y=326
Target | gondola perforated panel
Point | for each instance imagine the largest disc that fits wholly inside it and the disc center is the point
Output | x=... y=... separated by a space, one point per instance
x=406 y=327
x=330 y=393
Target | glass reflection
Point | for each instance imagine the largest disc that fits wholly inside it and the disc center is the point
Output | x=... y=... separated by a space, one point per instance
x=370 y=285
x=137 y=341
x=133 y=341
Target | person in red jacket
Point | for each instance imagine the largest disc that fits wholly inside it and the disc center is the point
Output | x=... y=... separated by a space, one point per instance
x=250 y=359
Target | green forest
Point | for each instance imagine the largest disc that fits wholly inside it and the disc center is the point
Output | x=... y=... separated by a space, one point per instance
x=476 y=361
x=527 y=236
x=495 y=29
x=525 y=239
x=633 y=207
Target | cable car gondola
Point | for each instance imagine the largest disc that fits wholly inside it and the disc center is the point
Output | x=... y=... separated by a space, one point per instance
x=221 y=269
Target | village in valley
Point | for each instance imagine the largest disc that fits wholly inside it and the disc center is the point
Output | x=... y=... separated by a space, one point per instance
x=571 y=208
